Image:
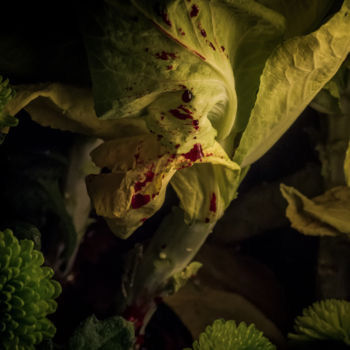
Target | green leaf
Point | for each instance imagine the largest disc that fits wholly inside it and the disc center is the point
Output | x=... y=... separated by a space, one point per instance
x=325 y=215
x=324 y=320
x=114 y=333
x=227 y=335
x=189 y=81
x=293 y=75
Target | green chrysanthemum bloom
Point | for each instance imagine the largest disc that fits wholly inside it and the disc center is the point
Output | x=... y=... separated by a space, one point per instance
x=6 y=93
x=324 y=320
x=26 y=294
x=226 y=335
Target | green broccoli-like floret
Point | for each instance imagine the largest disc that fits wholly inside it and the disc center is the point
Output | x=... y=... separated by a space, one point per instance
x=27 y=294
x=226 y=335
x=324 y=320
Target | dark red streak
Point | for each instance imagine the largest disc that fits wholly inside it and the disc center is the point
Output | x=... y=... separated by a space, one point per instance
x=194 y=11
x=213 y=203
x=169 y=67
x=199 y=55
x=212 y=46
x=222 y=48
x=195 y=124
x=177 y=114
x=166 y=19
x=165 y=55
x=139 y=200
x=195 y=153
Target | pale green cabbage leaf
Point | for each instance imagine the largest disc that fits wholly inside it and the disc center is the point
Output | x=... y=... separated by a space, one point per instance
x=189 y=93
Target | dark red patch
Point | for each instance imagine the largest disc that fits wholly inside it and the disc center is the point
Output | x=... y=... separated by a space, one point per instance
x=195 y=124
x=195 y=153
x=165 y=55
x=143 y=219
x=213 y=203
x=194 y=11
x=177 y=146
x=206 y=220
x=140 y=184
x=187 y=96
x=222 y=48
x=183 y=86
x=162 y=117
x=139 y=200
x=181 y=31
x=166 y=19
x=169 y=67
x=212 y=46
x=185 y=109
x=179 y=115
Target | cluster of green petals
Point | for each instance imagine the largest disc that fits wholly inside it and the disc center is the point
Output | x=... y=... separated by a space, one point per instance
x=324 y=320
x=27 y=294
x=227 y=335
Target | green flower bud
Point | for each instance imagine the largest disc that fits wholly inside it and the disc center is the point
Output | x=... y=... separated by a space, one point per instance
x=27 y=294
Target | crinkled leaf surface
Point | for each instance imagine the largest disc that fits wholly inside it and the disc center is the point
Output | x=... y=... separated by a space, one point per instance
x=114 y=333
x=293 y=75
x=324 y=320
x=188 y=79
x=325 y=215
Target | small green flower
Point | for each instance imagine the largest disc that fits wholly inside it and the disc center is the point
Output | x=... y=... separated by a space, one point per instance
x=324 y=320
x=226 y=335
x=26 y=294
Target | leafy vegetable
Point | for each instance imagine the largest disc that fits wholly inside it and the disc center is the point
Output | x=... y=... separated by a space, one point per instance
x=114 y=333
x=230 y=336
x=325 y=215
x=324 y=320
x=189 y=94
x=27 y=294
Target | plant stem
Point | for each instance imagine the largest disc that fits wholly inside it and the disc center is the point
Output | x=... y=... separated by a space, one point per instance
x=172 y=248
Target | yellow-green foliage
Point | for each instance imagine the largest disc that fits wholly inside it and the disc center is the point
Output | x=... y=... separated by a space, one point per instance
x=27 y=294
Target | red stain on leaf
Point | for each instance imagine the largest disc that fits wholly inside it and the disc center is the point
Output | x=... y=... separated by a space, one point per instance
x=194 y=11
x=179 y=115
x=222 y=48
x=213 y=203
x=140 y=184
x=169 y=67
x=212 y=46
x=199 y=55
x=195 y=124
x=195 y=153
x=143 y=219
x=187 y=96
x=139 y=200
x=206 y=220
x=165 y=55
x=166 y=19
x=177 y=146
